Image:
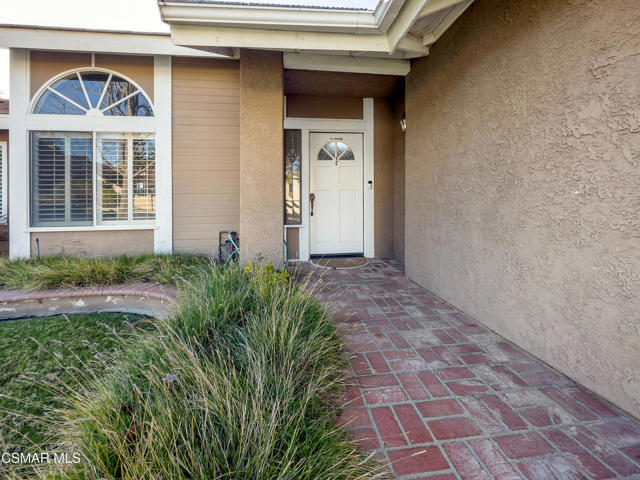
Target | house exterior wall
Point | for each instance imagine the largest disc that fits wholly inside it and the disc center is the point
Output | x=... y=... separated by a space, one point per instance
x=206 y=152
x=93 y=243
x=261 y=155
x=523 y=181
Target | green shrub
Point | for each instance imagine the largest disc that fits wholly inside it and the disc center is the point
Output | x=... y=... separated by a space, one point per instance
x=242 y=381
x=60 y=272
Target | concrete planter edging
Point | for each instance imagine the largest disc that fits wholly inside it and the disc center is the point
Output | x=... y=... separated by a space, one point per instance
x=147 y=299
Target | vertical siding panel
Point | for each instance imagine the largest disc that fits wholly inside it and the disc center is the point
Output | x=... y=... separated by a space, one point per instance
x=206 y=152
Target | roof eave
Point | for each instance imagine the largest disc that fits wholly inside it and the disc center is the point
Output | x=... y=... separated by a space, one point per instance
x=278 y=17
x=68 y=39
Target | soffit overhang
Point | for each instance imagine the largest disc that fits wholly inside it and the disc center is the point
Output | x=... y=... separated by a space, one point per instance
x=397 y=30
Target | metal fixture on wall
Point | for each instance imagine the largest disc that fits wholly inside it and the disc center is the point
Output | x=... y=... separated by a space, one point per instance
x=403 y=123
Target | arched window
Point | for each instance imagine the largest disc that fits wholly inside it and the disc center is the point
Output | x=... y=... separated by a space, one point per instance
x=335 y=150
x=97 y=170
x=94 y=93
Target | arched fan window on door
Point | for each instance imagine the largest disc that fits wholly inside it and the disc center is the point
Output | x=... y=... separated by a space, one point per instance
x=93 y=93
x=336 y=150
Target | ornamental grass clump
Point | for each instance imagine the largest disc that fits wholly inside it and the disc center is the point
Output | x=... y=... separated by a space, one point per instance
x=242 y=381
x=70 y=272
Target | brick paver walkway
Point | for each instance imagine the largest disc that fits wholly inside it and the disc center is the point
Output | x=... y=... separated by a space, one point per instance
x=441 y=397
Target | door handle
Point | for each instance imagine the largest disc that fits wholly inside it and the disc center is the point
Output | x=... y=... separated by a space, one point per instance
x=312 y=198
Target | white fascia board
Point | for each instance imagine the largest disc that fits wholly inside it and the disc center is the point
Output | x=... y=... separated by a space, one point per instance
x=404 y=21
x=4 y=121
x=386 y=12
x=413 y=45
x=198 y=35
x=99 y=42
x=342 y=63
x=270 y=18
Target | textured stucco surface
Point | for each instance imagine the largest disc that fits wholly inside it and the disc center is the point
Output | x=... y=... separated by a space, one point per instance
x=261 y=155
x=398 y=182
x=388 y=155
x=323 y=106
x=93 y=243
x=523 y=181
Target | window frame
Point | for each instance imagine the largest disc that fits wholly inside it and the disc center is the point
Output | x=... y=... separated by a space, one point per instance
x=60 y=123
x=47 y=86
x=97 y=224
x=98 y=195
x=287 y=223
x=66 y=136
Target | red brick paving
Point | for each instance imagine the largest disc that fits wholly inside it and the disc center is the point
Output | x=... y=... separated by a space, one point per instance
x=441 y=397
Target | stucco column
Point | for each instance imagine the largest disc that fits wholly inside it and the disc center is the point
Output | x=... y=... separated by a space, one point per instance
x=261 y=155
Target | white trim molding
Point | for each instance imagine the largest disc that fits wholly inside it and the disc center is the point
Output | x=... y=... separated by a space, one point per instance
x=285 y=40
x=318 y=125
x=163 y=236
x=94 y=41
x=343 y=63
x=3 y=178
x=94 y=228
x=4 y=121
x=82 y=123
x=19 y=241
x=369 y=183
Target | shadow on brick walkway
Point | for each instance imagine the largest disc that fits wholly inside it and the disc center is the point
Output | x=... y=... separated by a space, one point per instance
x=441 y=397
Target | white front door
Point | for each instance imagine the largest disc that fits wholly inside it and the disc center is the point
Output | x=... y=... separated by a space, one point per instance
x=336 y=213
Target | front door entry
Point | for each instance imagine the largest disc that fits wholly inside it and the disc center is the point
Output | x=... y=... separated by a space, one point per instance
x=336 y=194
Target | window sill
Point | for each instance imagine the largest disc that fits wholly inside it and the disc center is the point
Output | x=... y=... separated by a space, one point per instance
x=96 y=228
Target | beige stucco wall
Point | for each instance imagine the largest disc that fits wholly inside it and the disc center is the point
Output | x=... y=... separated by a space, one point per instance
x=388 y=178
x=523 y=181
x=384 y=129
x=93 y=244
x=261 y=155
x=206 y=152
x=398 y=181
